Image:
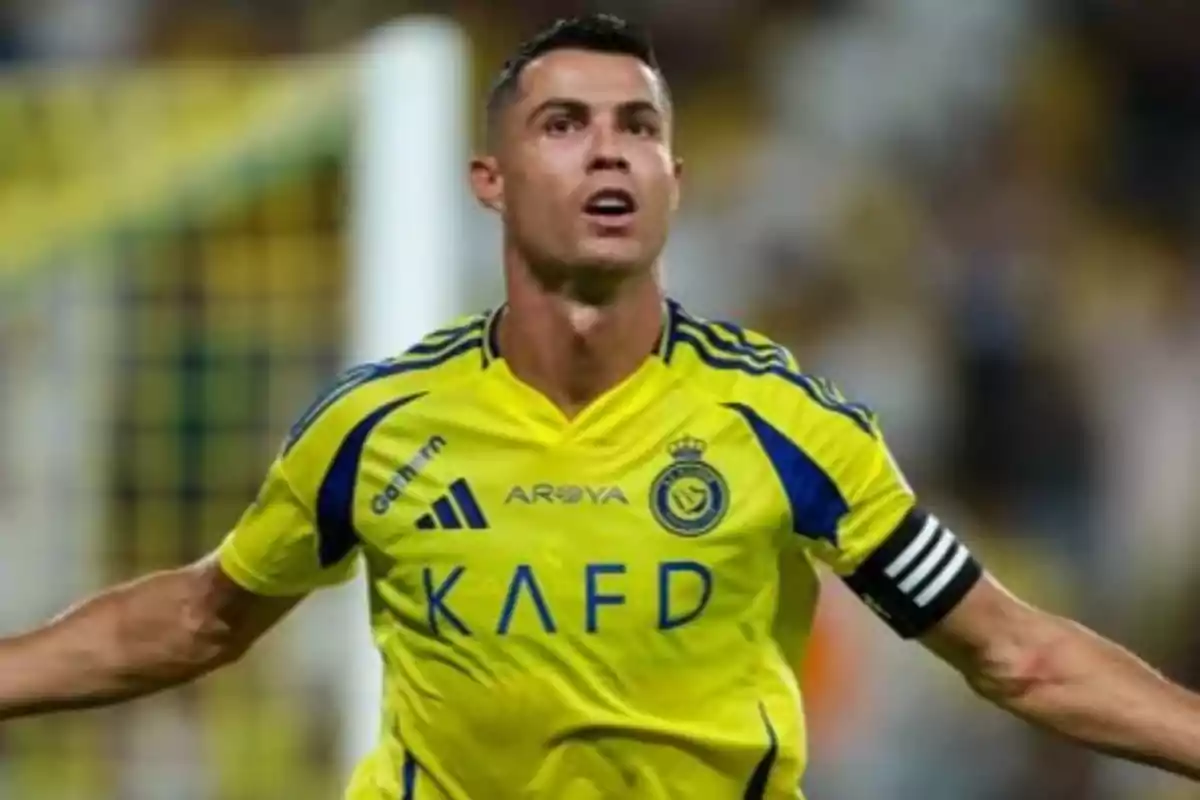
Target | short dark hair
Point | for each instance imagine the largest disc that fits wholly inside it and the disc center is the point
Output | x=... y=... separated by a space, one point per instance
x=599 y=33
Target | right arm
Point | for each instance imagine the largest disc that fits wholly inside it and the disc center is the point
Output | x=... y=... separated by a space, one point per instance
x=172 y=627
x=150 y=634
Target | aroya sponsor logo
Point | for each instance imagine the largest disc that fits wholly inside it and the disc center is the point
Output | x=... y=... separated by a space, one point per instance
x=566 y=494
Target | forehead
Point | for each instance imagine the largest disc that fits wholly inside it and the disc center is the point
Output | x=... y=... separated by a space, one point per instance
x=594 y=78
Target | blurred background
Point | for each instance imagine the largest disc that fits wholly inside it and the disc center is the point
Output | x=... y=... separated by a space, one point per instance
x=981 y=218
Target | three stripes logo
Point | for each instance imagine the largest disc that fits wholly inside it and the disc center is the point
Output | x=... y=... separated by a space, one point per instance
x=456 y=510
x=924 y=569
x=916 y=576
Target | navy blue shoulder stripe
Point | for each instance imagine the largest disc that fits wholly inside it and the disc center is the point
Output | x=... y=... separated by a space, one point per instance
x=835 y=396
x=739 y=334
x=435 y=343
x=450 y=351
x=731 y=349
x=412 y=361
x=336 y=536
x=741 y=341
x=720 y=358
x=453 y=331
x=342 y=385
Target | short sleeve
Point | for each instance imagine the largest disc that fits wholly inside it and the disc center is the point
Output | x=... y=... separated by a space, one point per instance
x=875 y=495
x=843 y=489
x=853 y=509
x=274 y=549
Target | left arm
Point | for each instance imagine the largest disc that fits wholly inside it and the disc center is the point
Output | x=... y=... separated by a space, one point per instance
x=852 y=506
x=1060 y=676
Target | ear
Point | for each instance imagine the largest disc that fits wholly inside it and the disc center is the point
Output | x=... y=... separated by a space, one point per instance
x=678 y=170
x=487 y=183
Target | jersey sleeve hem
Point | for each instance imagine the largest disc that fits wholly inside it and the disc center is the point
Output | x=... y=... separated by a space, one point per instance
x=862 y=548
x=237 y=571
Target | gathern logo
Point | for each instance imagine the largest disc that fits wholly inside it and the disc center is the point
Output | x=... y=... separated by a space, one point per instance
x=402 y=477
x=689 y=497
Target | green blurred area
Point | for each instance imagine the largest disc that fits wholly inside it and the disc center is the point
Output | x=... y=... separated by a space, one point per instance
x=212 y=202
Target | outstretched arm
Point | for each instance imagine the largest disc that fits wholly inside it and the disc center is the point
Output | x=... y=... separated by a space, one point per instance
x=174 y=626
x=857 y=513
x=1063 y=677
x=150 y=634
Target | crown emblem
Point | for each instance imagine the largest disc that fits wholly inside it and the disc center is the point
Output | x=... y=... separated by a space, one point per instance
x=687 y=449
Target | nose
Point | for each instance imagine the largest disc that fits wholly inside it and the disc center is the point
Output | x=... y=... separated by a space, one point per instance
x=606 y=153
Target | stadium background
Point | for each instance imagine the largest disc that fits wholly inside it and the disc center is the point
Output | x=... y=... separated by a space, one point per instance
x=981 y=218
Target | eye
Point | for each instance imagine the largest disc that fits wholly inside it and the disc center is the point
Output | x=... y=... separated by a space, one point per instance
x=644 y=128
x=558 y=126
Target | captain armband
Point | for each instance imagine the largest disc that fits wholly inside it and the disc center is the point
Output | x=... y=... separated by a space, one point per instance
x=917 y=576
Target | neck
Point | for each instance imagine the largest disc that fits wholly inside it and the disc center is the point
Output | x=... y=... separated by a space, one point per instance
x=572 y=344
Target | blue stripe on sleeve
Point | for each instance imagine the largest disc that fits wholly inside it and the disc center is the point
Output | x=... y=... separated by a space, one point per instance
x=816 y=503
x=335 y=499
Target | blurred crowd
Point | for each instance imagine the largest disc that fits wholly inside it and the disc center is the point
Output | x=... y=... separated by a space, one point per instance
x=981 y=218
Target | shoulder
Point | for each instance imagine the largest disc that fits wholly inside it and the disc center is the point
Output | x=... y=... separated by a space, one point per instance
x=749 y=372
x=719 y=345
x=370 y=390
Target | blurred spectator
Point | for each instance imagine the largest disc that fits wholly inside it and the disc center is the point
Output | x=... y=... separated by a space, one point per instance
x=1150 y=56
x=81 y=30
x=12 y=46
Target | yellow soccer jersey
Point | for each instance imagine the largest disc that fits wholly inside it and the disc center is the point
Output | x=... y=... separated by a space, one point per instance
x=591 y=607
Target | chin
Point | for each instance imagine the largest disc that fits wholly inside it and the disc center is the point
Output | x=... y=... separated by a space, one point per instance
x=614 y=255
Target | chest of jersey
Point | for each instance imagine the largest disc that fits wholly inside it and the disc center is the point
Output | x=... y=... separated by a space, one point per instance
x=669 y=520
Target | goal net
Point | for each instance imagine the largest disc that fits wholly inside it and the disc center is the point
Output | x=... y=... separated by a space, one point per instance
x=187 y=254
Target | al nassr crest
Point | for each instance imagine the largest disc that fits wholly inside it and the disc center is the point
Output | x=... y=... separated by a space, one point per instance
x=689 y=497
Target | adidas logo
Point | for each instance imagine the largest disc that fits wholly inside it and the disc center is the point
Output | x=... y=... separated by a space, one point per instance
x=452 y=510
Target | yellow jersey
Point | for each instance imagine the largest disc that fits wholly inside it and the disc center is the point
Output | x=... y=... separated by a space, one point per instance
x=607 y=606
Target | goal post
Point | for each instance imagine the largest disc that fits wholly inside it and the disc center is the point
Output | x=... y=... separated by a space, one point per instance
x=408 y=265
x=173 y=242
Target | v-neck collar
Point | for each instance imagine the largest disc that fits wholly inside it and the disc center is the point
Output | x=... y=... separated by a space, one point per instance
x=607 y=409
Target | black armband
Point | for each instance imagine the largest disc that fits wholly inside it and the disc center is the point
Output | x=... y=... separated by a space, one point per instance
x=916 y=576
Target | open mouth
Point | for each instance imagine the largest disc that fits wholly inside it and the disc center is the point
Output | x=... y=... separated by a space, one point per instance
x=610 y=204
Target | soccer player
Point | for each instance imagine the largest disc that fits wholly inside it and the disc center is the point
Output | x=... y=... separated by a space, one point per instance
x=590 y=520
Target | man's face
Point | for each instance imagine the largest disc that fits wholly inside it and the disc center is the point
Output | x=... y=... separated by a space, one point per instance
x=585 y=175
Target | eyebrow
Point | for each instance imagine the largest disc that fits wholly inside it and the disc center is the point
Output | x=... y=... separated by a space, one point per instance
x=571 y=105
x=639 y=106
x=560 y=103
